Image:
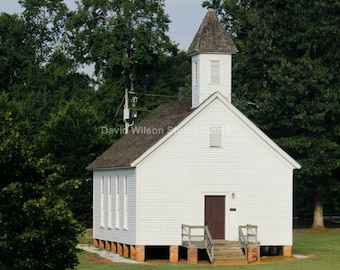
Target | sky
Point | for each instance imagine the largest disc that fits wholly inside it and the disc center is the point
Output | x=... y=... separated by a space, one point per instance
x=186 y=17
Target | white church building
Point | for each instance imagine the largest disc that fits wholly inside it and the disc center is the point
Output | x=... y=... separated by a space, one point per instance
x=199 y=178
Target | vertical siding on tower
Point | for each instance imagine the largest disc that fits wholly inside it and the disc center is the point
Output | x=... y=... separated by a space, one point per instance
x=205 y=88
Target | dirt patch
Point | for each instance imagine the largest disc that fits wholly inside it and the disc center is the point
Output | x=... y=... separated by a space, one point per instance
x=92 y=258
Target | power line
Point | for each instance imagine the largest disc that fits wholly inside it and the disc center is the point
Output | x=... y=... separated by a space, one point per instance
x=120 y=105
x=152 y=95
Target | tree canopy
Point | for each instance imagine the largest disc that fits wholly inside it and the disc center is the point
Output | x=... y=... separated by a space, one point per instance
x=120 y=37
x=38 y=231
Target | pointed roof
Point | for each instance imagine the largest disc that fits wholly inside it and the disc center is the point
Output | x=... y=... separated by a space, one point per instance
x=158 y=127
x=211 y=37
x=143 y=136
x=241 y=118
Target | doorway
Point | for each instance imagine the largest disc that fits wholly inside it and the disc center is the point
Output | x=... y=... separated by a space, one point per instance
x=214 y=213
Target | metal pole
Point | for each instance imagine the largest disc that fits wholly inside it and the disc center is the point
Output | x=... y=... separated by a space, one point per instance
x=126 y=114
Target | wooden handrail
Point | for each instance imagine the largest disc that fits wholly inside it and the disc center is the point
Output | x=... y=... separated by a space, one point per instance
x=203 y=240
x=248 y=239
x=209 y=243
x=243 y=241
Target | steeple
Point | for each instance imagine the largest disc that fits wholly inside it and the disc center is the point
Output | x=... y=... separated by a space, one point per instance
x=210 y=52
x=211 y=37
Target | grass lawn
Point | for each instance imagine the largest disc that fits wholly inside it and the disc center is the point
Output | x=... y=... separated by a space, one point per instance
x=322 y=247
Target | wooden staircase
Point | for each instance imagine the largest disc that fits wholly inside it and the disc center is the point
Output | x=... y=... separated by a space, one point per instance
x=228 y=251
x=246 y=250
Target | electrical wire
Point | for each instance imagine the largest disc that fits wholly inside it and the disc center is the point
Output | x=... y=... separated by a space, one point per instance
x=116 y=114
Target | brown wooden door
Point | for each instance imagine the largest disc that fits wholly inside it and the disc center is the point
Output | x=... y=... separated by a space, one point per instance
x=215 y=216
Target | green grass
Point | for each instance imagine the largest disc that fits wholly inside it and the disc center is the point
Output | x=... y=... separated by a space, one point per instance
x=324 y=247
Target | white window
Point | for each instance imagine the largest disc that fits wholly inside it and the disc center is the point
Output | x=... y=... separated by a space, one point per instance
x=117 y=202
x=215 y=71
x=215 y=137
x=109 y=203
x=102 y=202
x=125 y=202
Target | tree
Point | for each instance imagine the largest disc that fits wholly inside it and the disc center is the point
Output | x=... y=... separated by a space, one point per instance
x=40 y=83
x=14 y=152
x=45 y=22
x=121 y=38
x=60 y=83
x=73 y=139
x=38 y=231
x=126 y=41
x=16 y=54
x=286 y=79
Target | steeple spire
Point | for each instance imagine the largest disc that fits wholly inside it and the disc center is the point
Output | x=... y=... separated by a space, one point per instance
x=210 y=53
x=211 y=37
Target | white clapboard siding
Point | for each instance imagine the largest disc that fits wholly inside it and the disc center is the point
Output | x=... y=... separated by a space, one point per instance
x=202 y=84
x=125 y=232
x=173 y=180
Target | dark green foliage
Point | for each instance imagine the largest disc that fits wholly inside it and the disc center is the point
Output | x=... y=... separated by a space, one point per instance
x=38 y=231
x=118 y=36
x=75 y=124
x=45 y=21
x=14 y=151
x=127 y=43
x=73 y=137
x=16 y=53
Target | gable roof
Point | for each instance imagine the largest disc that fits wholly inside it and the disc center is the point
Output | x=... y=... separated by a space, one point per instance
x=240 y=116
x=143 y=136
x=155 y=128
x=211 y=37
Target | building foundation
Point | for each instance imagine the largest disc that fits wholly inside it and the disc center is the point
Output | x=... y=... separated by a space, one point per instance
x=140 y=253
x=114 y=247
x=192 y=256
x=132 y=252
x=126 y=251
x=173 y=257
x=96 y=242
x=108 y=245
x=120 y=249
x=102 y=244
x=252 y=254
x=287 y=251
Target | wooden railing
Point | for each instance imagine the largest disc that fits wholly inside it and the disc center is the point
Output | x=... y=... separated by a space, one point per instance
x=248 y=238
x=209 y=243
x=198 y=237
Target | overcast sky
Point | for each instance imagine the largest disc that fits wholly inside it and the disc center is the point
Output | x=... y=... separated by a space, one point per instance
x=186 y=17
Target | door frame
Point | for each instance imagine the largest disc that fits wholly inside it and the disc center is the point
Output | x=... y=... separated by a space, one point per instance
x=226 y=205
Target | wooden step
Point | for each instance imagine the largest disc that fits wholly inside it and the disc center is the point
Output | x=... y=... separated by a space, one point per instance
x=228 y=251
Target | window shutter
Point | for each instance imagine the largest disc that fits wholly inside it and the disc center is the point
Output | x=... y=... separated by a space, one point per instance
x=215 y=139
x=215 y=72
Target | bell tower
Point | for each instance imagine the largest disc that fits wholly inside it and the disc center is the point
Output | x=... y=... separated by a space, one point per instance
x=211 y=52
